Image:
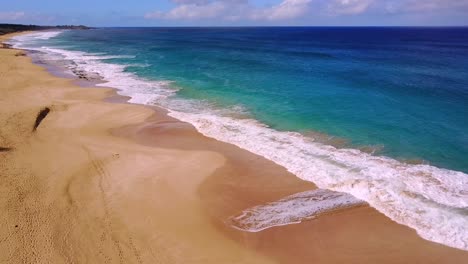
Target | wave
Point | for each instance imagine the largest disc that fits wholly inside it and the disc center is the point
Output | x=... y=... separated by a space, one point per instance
x=292 y=210
x=431 y=200
x=84 y=56
x=25 y=40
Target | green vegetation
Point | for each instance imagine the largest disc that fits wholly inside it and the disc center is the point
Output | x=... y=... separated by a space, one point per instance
x=10 y=28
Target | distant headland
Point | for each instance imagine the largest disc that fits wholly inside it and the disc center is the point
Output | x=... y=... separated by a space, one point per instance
x=11 y=28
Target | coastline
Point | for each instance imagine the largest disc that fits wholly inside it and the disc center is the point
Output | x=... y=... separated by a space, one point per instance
x=155 y=190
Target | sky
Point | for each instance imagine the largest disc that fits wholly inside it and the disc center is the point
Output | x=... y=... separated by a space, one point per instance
x=236 y=12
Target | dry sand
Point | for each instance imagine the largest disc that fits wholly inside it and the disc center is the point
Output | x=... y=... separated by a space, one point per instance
x=102 y=182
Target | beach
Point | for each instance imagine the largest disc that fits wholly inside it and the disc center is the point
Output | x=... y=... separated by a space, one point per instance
x=98 y=180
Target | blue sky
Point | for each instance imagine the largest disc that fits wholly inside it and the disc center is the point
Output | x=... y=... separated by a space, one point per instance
x=236 y=12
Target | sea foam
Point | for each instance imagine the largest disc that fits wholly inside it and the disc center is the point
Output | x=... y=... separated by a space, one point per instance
x=431 y=200
x=25 y=40
x=292 y=210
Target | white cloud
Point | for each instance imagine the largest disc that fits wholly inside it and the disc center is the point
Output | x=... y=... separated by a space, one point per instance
x=189 y=1
x=288 y=9
x=245 y=10
x=434 y=5
x=231 y=10
x=419 y=6
x=356 y=7
x=26 y=17
x=191 y=9
x=11 y=16
x=349 y=7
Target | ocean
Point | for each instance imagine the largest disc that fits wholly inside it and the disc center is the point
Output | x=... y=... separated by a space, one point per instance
x=377 y=113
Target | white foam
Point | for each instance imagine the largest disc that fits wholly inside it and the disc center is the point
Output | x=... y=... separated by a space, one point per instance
x=46 y=34
x=431 y=200
x=291 y=210
x=83 y=57
x=26 y=40
x=92 y=64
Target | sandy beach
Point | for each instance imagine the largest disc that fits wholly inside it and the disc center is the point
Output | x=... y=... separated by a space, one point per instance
x=97 y=180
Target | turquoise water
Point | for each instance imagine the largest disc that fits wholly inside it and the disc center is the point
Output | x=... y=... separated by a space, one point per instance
x=401 y=90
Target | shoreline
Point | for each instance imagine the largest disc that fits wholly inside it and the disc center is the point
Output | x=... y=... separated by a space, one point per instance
x=159 y=152
x=391 y=186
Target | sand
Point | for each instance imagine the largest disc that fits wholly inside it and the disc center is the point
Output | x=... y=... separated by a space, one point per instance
x=106 y=182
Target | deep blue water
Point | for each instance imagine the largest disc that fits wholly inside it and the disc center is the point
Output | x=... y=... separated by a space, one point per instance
x=405 y=89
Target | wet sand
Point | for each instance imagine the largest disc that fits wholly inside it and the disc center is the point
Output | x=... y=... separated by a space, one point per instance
x=107 y=182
